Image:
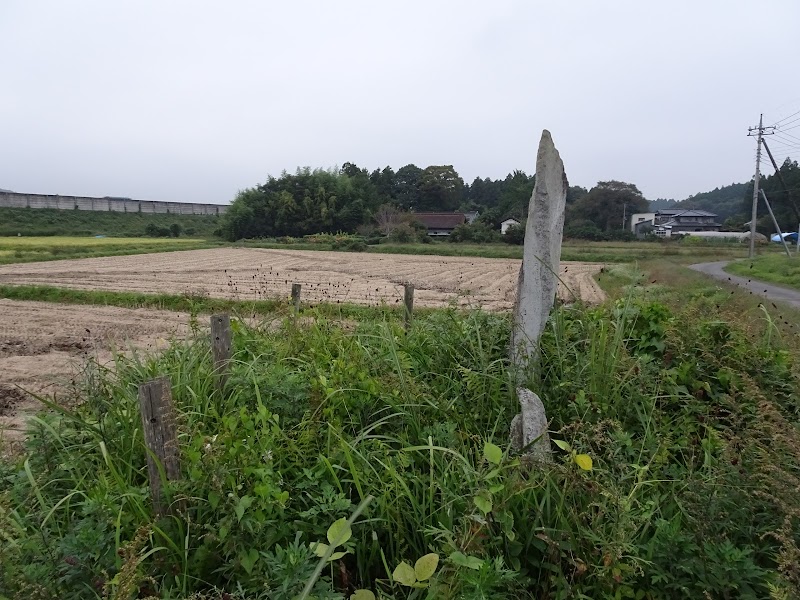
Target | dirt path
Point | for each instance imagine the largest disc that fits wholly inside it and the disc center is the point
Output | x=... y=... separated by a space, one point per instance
x=43 y=346
x=770 y=291
x=326 y=276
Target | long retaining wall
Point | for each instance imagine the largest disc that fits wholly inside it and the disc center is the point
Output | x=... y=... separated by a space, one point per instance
x=15 y=200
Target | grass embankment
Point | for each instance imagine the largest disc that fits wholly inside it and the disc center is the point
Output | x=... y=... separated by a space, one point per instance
x=775 y=268
x=34 y=249
x=193 y=304
x=50 y=221
x=690 y=419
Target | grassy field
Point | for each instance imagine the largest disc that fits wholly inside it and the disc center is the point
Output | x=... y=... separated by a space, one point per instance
x=690 y=490
x=46 y=222
x=29 y=249
x=776 y=268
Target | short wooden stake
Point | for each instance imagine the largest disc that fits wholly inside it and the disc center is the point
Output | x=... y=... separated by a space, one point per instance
x=409 y=303
x=158 y=424
x=221 y=347
x=296 y=297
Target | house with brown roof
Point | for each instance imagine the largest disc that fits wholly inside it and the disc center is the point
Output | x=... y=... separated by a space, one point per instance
x=440 y=223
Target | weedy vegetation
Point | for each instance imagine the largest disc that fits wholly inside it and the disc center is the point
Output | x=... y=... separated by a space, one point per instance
x=777 y=268
x=353 y=459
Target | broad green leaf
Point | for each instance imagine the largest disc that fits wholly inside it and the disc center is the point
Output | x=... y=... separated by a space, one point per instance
x=563 y=445
x=492 y=453
x=470 y=562
x=249 y=559
x=319 y=548
x=337 y=555
x=404 y=574
x=426 y=566
x=242 y=505
x=213 y=499
x=496 y=489
x=484 y=504
x=584 y=461
x=362 y=595
x=339 y=532
x=222 y=533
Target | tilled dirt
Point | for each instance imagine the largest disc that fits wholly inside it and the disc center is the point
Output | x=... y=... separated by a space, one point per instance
x=43 y=347
x=257 y=274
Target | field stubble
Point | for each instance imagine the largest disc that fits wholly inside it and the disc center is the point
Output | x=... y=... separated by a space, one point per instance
x=333 y=277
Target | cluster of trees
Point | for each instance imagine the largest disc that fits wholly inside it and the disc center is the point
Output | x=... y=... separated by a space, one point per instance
x=783 y=191
x=604 y=211
x=353 y=199
x=318 y=200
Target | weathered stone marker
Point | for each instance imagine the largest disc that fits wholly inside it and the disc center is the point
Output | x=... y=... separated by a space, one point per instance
x=529 y=428
x=536 y=292
x=538 y=275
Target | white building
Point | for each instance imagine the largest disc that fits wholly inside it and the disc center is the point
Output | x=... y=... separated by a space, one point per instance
x=506 y=224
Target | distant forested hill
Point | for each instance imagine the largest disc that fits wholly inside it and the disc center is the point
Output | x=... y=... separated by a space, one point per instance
x=725 y=201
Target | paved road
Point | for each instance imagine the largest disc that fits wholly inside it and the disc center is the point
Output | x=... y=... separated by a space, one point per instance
x=761 y=288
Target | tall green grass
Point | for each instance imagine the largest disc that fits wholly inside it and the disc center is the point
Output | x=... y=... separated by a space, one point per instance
x=692 y=433
x=776 y=268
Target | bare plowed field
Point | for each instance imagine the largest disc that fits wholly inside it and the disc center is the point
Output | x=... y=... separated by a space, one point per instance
x=258 y=274
x=43 y=347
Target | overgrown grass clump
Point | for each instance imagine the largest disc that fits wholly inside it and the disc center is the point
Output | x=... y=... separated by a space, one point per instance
x=692 y=432
x=777 y=268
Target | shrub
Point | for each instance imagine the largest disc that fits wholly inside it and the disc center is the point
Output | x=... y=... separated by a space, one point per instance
x=477 y=232
x=515 y=234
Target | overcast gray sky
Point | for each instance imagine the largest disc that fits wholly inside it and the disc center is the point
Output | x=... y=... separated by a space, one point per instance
x=194 y=100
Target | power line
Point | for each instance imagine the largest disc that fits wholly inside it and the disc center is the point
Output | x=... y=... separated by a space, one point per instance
x=784 y=118
x=789 y=135
x=789 y=123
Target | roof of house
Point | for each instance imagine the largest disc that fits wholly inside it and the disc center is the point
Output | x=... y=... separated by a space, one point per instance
x=512 y=219
x=433 y=220
x=685 y=213
x=674 y=223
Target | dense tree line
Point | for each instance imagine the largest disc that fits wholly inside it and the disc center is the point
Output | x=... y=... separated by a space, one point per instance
x=318 y=200
x=783 y=192
x=352 y=198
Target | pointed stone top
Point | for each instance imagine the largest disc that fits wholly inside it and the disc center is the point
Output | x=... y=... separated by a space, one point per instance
x=542 y=252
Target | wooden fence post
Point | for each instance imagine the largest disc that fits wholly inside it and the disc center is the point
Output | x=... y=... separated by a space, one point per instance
x=296 y=297
x=221 y=347
x=409 y=304
x=158 y=424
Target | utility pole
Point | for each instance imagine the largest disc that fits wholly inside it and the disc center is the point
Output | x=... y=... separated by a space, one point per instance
x=759 y=132
x=624 y=214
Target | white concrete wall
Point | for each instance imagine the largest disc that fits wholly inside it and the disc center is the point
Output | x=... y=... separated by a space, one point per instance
x=15 y=200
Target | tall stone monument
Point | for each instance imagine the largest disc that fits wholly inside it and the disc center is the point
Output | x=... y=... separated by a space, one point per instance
x=538 y=275
x=536 y=292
